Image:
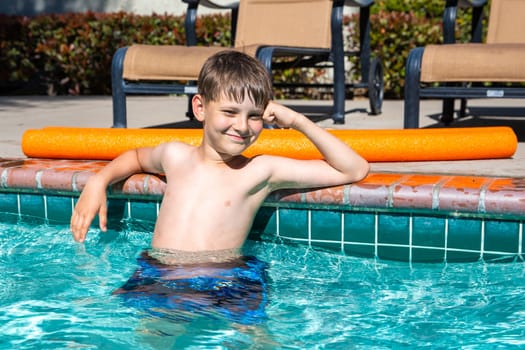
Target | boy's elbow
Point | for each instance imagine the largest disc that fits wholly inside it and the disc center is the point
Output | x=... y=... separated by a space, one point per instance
x=362 y=171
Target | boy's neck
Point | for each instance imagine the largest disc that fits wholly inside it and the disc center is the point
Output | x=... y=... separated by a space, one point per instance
x=211 y=156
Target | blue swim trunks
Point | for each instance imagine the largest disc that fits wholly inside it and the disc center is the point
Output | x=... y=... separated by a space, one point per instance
x=235 y=289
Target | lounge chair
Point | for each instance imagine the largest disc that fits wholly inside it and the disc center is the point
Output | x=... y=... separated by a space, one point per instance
x=309 y=31
x=494 y=69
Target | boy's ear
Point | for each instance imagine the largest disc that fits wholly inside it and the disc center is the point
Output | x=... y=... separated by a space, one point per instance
x=197 y=104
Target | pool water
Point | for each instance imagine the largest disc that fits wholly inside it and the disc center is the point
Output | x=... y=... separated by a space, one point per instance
x=58 y=294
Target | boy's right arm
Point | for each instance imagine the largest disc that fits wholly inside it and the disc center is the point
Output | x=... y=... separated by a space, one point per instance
x=340 y=164
x=92 y=200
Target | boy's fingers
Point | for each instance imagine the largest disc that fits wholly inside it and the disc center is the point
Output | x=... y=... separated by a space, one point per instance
x=79 y=237
x=103 y=217
x=73 y=226
x=78 y=228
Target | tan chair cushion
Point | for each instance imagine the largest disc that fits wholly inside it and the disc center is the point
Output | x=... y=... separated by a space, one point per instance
x=164 y=62
x=297 y=23
x=473 y=62
x=506 y=24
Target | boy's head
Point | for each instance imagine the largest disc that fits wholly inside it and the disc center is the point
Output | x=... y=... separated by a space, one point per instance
x=235 y=76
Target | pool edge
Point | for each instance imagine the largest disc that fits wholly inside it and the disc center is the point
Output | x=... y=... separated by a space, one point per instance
x=400 y=216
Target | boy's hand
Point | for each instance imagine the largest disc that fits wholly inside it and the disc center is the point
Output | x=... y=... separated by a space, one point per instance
x=283 y=117
x=92 y=201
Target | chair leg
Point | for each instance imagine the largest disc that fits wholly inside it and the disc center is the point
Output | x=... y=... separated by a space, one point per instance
x=463 y=108
x=338 y=113
x=118 y=89
x=189 y=111
x=447 y=115
x=412 y=88
x=364 y=42
x=338 y=56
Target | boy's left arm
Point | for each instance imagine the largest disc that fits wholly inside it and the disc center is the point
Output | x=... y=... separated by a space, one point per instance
x=92 y=200
x=349 y=166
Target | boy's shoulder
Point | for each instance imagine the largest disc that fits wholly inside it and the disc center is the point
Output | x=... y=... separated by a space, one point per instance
x=174 y=151
x=176 y=146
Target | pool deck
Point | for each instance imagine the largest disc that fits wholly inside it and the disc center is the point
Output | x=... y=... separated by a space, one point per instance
x=445 y=194
x=18 y=113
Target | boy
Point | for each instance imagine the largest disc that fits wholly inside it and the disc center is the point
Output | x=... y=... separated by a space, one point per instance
x=213 y=192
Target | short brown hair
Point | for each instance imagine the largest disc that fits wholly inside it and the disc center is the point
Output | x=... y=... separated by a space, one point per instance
x=235 y=75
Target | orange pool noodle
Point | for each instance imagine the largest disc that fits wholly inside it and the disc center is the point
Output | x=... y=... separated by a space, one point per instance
x=374 y=145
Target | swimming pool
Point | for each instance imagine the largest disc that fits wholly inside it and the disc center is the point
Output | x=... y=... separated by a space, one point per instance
x=372 y=264
x=57 y=294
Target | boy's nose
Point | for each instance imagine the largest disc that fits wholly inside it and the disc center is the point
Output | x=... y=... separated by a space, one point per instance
x=241 y=124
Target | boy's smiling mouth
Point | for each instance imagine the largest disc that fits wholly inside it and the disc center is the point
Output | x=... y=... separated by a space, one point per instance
x=238 y=138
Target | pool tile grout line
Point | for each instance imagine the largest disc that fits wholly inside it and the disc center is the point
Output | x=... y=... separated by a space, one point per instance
x=436 y=189
x=520 y=247
x=482 y=196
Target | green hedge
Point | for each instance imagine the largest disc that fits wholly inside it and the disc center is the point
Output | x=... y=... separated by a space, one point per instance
x=71 y=53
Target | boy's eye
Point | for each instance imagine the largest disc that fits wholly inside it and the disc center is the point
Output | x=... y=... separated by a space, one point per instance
x=256 y=117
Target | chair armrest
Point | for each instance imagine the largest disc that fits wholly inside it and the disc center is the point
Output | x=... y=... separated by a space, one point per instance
x=359 y=3
x=472 y=3
x=449 y=19
x=213 y=5
x=191 y=17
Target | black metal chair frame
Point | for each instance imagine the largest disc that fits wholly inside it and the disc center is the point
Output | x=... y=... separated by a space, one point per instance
x=371 y=70
x=414 y=91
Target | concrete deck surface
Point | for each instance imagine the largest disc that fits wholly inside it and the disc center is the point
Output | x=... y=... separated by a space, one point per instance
x=18 y=113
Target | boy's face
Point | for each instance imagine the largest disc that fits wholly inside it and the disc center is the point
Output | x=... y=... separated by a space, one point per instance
x=231 y=127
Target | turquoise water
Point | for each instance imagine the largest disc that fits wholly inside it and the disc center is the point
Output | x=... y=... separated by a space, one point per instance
x=57 y=294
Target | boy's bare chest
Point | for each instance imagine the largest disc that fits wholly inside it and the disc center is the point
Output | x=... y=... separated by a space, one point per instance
x=208 y=180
